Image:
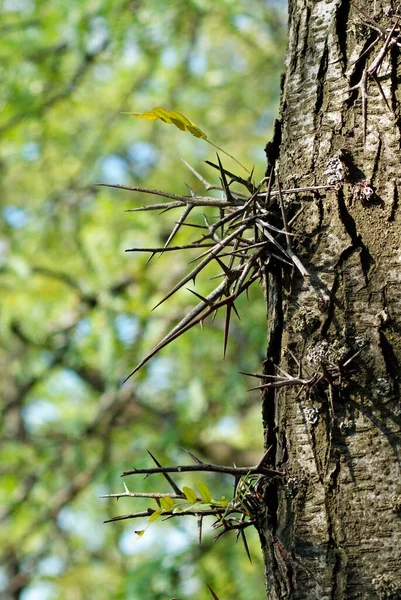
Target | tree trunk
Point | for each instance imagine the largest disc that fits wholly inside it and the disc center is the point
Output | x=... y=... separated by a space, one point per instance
x=333 y=529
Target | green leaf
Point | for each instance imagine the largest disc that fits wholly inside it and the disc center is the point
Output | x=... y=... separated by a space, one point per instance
x=190 y=494
x=167 y=503
x=204 y=492
x=171 y=117
x=155 y=515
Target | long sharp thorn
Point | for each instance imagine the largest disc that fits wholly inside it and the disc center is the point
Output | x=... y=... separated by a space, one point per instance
x=144 y=190
x=174 y=486
x=244 y=273
x=202 y=179
x=222 y=215
x=170 y=248
x=226 y=327
x=379 y=85
x=224 y=180
x=261 y=225
x=214 y=595
x=205 y=300
x=195 y=316
x=236 y=311
x=186 y=323
x=236 y=178
x=251 y=174
x=200 y=520
x=196 y=201
x=243 y=537
x=180 y=221
x=228 y=272
x=164 y=206
x=191 y=191
x=196 y=460
x=211 y=255
x=264 y=458
x=258 y=375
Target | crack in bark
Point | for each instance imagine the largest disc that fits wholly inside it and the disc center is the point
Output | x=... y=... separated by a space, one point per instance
x=341 y=23
x=350 y=227
x=320 y=83
x=344 y=256
x=394 y=203
x=333 y=544
x=377 y=158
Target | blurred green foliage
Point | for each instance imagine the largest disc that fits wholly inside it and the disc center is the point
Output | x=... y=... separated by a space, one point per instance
x=76 y=311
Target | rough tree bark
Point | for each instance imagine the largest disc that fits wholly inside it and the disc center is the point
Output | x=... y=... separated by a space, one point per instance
x=333 y=528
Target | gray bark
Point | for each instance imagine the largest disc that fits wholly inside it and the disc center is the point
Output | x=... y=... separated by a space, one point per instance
x=333 y=529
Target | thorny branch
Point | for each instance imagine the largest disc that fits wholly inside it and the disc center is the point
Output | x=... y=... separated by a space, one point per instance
x=243 y=241
x=246 y=501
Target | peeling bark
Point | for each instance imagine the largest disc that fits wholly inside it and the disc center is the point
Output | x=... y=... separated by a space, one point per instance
x=334 y=530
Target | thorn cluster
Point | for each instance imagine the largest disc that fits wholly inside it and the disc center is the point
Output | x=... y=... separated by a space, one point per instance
x=247 y=237
x=328 y=370
x=389 y=38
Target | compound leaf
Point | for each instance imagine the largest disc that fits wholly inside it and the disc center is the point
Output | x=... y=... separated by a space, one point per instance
x=171 y=117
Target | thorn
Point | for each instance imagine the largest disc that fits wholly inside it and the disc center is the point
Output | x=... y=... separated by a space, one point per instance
x=215 y=597
x=150 y=258
x=197 y=460
x=236 y=178
x=236 y=311
x=205 y=300
x=175 y=487
x=228 y=272
x=191 y=191
x=224 y=180
x=245 y=545
x=226 y=327
x=180 y=221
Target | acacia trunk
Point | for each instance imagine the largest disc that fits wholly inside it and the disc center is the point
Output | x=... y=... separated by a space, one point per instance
x=333 y=528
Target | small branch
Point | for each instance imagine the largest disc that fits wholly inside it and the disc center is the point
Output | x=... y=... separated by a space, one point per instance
x=169 y=513
x=234 y=471
x=154 y=495
x=196 y=201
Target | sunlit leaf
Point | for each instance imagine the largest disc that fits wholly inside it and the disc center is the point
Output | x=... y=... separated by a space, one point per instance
x=204 y=492
x=139 y=532
x=171 y=117
x=167 y=503
x=223 y=502
x=154 y=516
x=190 y=494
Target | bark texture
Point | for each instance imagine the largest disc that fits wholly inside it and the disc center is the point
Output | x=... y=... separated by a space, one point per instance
x=334 y=525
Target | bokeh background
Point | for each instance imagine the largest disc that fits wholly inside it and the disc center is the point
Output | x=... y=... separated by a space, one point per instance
x=76 y=309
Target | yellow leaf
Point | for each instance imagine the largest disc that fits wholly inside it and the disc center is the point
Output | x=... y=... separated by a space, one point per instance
x=155 y=515
x=172 y=117
x=167 y=503
x=190 y=495
x=140 y=532
x=204 y=492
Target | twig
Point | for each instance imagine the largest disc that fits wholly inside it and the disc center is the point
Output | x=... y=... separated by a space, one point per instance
x=205 y=467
